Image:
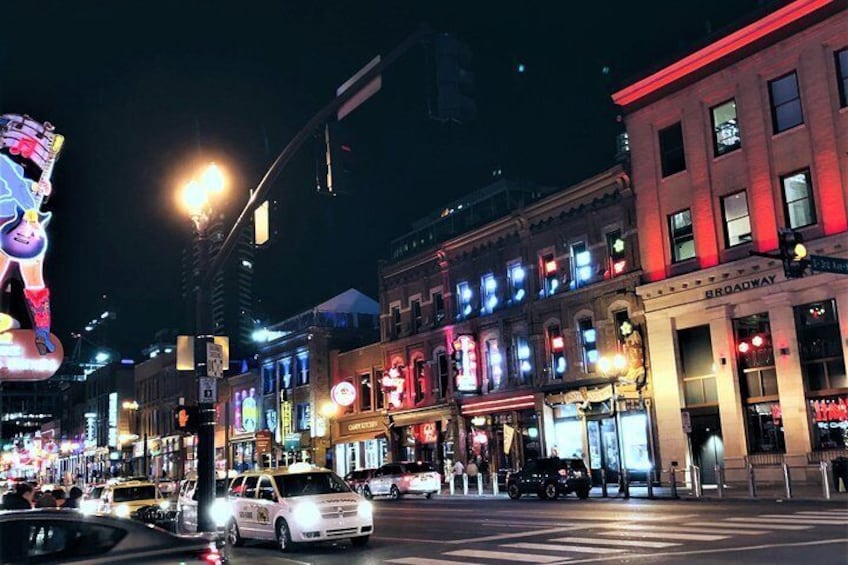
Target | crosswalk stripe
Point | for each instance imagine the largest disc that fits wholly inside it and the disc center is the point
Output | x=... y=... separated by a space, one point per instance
x=754 y=526
x=665 y=535
x=694 y=530
x=622 y=542
x=574 y=548
x=797 y=520
x=504 y=555
x=832 y=513
x=425 y=561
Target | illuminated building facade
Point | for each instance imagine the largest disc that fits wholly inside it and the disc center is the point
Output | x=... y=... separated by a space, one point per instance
x=744 y=136
x=492 y=335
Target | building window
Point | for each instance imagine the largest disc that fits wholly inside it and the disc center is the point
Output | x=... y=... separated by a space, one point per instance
x=737 y=222
x=443 y=367
x=524 y=356
x=284 y=366
x=517 y=281
x=550 y=270
x=798 y=199
x=681 y=235
x=842 y=76
x=438 y=307
x=464 y=300
x=556 y=352
x=303 y=414
x=269 y=378
x=589 y=340
x=379 y=395
x=303 y=369
x=697 y=366
x=416 y=315
x=820 y=345
x=785 y=103
x=725 y=128
x=494 y=366
x=420 y=384
x=617 y=251
x=489 y=292
x=365 y=391
x=672 y=157
x=582 y=261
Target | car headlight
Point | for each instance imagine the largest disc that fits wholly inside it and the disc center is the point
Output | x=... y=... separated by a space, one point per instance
x=89 y=506
x=122 y=511
x=221 y=512
x=165 y=504
x=366 y=509
x=307 y=514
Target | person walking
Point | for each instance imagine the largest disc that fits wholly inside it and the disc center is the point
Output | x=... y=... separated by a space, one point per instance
x=74 y=498
x=471 y=469
x=458 y=470
x=20 y=498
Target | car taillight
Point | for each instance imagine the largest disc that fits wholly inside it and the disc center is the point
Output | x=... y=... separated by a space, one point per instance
x=407 y=477
x=211 y=556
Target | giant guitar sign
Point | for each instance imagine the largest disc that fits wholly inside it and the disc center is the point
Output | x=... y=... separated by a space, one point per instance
x=28 y=152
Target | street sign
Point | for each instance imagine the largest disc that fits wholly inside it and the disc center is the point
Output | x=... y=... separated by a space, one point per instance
x=214 y=360
x=687 y=422
x=825 y=264
x=207 y=391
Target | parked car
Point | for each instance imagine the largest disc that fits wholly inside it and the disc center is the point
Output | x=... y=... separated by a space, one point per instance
x=357 y=480
x=125 y=499
x=299 y=503
x=68 y=536
x=91 y=498
x=550 y=477
x=187 y=503
x=397 y=479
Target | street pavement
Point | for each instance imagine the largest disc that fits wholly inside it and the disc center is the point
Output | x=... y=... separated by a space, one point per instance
x=495 y=530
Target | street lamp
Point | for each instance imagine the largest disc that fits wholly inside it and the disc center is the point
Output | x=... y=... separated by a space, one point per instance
x=328 y=411
x=614 y=368
x=133 y=407
x=196 y=198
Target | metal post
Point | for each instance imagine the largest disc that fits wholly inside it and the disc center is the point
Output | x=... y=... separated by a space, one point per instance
x=625 y=482
x=651 y=483
x=495 y=483
x=480 y=484
x=719 y=480
x=752 y=486
x=465 y=484
x=673 y=481
x=452 y=484
x=695 y=477
x=787 y=480
x=604 y=492
x=825 y=481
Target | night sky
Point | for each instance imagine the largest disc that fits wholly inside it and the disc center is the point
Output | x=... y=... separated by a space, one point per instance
x=146 y=91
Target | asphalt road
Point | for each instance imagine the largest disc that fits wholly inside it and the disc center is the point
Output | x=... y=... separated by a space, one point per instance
x=495 y=531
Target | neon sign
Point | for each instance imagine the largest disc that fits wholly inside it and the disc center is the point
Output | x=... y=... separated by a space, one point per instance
x=393 y=384
x=28 y=152
x=343 y=394
x=465 y=353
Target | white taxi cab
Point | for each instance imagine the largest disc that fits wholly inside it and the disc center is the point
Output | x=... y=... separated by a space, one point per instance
x=300 y=503
x=126 y=498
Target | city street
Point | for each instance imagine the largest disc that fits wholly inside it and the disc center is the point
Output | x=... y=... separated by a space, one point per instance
x=449 y=531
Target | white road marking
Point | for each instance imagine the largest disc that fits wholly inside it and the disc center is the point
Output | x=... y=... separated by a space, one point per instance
x=515 y=535
x=692 y=529
x=829 y=513
x=504 y=555
x=665 y=535
x=574 y=548
x=624 y=542
x=746 y=526
x=425 y=561
x=779 y=518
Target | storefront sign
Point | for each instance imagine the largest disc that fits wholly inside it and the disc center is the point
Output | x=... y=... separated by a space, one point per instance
x=20 y=359
x=587 y=395
x=427 y=433
x=465 y=354
x=393 y=384
x=358 y=427
x=739 y=287
x=286 y=425
x=246 y=411
x=263 y=442
x=343 y=394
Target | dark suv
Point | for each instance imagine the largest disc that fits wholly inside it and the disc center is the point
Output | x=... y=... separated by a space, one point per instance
x=550 y=477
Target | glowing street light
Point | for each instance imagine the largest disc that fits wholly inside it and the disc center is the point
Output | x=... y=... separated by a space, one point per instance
x=196 y=195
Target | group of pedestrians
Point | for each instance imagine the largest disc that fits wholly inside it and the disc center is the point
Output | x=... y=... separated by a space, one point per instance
x=23 y=497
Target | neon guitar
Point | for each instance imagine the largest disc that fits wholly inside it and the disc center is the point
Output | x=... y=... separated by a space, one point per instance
x=23 y=237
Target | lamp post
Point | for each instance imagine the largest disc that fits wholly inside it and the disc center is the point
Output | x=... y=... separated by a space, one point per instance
x=613 y=368
x=133 y=407
x=196 y=198
x=328 y=411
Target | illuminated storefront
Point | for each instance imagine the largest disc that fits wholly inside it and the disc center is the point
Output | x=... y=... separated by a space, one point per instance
x=501 y=431
x=360 y=443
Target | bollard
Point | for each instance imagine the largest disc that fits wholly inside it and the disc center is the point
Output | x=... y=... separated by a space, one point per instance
x=465 y=484
x=673 y=481
x=719 y=472
x=752 y=486
x=651 y=483
x=495 y=484
x=480 y=484
x=825 y=481
x=787 y=480
x=604 y=492
x=695 y=478
x=452 y=484
x=625 y=482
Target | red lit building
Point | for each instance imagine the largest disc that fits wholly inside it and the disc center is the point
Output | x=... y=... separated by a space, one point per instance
x=744 y=136
x=495 y=313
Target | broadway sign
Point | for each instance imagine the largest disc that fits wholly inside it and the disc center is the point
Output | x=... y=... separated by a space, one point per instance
x=739 y=287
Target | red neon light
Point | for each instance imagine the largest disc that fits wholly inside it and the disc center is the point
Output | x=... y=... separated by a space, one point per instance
x=557 y=343
x=550 y=267
x=715 y=51
x=618 y=267
x=757 y=341
x=744 y=347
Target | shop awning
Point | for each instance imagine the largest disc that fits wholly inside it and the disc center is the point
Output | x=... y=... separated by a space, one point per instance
x=501 y=405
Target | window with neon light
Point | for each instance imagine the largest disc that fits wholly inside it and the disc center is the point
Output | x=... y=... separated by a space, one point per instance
x=438 y=307
x=589 y=342
x=672 y=155
x=464 y=300
x=303 y=368
x=725 y=128
x=303 y=416
x=465 y=362
x=681 y=235
x=365 y=392
x=284 y=367
x=489 y=292
x=269 y=377
x=798 y=204
x=841 y=57
x=737 y=222
x=617 y=250
x=379 y=393
x=785 y=98
x=517 y=275
x=556 y=352
x=524 y=357
x=581 y=258
x=549 y=270
x=420 y=385
x=494 y=366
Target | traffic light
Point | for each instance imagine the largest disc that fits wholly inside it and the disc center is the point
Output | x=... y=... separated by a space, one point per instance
x=793 y=253
x=335 y=170
x=453 y=80
x=186 y=419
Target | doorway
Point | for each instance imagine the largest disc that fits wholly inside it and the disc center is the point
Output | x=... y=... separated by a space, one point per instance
x=707 y=445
